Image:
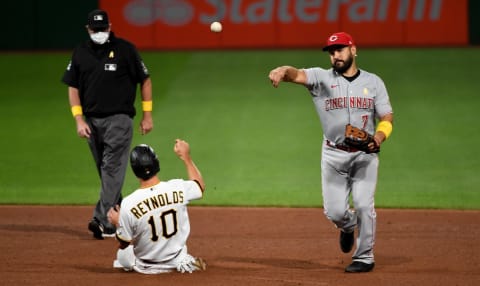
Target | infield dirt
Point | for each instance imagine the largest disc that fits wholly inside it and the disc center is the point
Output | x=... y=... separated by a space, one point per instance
x=50 y=245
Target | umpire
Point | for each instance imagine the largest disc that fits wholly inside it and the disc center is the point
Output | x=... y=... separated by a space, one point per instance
x=102 y=79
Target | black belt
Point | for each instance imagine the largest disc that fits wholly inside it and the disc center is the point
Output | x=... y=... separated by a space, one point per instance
x=342 y=147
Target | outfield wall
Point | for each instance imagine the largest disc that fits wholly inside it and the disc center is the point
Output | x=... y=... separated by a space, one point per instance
x=184 y=24
x=289 y=23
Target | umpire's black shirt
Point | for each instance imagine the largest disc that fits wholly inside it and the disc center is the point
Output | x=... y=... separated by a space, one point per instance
x=106 y=76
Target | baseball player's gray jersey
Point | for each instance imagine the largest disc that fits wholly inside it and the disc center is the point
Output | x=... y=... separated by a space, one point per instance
x=359 y=102
x=156 y=219
x=339 y=102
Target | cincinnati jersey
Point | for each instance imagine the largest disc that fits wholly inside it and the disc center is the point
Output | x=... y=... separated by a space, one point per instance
x=339 y=101
x=156 y=219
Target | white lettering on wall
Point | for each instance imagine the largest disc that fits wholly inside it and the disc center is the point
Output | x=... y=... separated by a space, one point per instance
x=182 y=12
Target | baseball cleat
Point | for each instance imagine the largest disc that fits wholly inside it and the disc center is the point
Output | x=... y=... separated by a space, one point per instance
x=200 y=264
x=109 y=232
x=96 y=228
x=346 y=241
x=357 y=267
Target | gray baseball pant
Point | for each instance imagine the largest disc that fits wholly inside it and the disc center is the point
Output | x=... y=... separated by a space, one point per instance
x=355 y=173
x=109 y=142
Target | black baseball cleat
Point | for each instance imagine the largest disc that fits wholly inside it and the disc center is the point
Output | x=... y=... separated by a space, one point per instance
x=346 y=241
x=109 y=231
x=357 y=267
x=96 y=228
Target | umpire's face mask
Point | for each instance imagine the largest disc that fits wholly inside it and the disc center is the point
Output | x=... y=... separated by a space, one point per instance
x=99 y=37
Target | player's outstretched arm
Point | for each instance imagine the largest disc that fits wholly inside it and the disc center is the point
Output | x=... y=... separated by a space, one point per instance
x=288 y=74
x=182 y=149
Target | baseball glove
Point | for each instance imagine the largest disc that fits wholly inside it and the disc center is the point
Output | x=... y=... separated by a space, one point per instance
x=360 y=139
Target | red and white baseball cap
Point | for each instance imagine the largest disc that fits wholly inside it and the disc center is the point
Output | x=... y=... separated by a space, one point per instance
x=339 y=39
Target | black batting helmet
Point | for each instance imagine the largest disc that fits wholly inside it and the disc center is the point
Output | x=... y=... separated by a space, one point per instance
x=144 y=162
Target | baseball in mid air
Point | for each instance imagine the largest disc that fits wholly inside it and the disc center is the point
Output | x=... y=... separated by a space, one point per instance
x=216 y=27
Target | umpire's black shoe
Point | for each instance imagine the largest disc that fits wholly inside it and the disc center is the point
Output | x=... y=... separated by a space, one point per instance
x=109 y=231
x=96 y=228
x=357 y=267
x=346 y=241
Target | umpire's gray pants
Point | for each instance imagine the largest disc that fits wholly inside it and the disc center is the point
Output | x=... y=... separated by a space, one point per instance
x=109 y=143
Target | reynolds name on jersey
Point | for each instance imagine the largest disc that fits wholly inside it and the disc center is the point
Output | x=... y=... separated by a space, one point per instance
x=157 y=201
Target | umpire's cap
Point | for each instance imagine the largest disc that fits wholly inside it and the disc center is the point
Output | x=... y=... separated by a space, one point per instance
x=98 y=20
x=338 y=39
x=144 y=162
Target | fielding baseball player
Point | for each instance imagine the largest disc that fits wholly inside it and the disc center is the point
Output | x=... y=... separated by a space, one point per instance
x=348 y=101
x=152 y=222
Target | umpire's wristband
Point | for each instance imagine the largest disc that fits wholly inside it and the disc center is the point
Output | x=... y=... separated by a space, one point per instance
x=77 y=110
x=147 y=105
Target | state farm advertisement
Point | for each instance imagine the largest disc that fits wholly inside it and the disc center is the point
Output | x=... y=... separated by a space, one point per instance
x=185 y=24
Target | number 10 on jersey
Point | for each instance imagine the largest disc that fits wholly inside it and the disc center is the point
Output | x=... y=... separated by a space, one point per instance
x=168 y=220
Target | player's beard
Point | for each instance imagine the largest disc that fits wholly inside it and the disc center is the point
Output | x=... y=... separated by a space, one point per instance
x=342 y=66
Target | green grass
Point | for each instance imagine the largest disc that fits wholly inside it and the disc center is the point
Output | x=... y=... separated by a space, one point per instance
x=255 y=145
